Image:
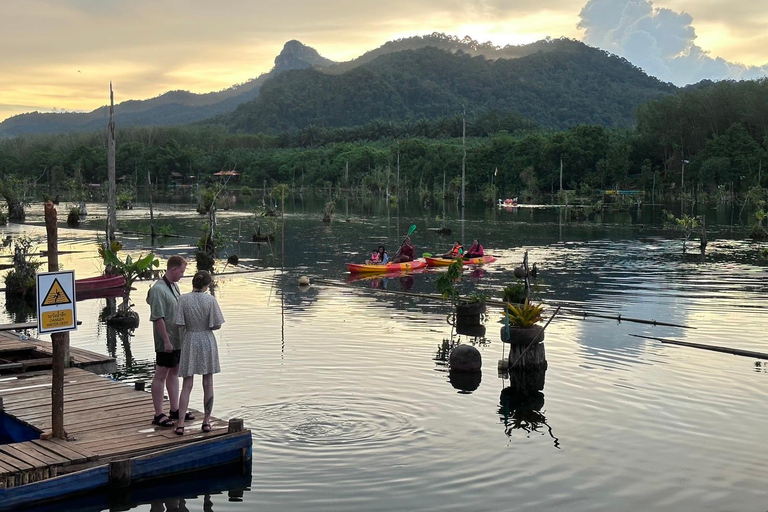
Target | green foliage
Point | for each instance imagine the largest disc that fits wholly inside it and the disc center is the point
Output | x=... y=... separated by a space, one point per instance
x=3 y=218
x=125 y=199
x=686 y=224
x=73 y=217
x=476 y=298
x=208 y=244
x=166 y=230
x=206 y=197
x=446 y=281
x=20 y=280
x=524 y=315
x=515 y=293
x=129 y=268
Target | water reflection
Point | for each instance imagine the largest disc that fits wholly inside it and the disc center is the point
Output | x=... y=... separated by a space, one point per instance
x=202 y=490
x=521 y=402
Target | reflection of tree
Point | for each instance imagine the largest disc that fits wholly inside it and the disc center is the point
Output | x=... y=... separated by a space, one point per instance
x=21 y=309
x=521 y=402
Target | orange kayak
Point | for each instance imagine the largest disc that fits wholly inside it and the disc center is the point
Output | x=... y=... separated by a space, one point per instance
x=389 y=267
x=444 y=262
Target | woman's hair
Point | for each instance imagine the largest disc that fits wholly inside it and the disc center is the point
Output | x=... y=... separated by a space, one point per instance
x=381 y=249
x=201 y=280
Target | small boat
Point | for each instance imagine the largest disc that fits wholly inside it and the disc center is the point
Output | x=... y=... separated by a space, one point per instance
x=389 y=267
x=508 y=203
x=93 y=284
x=444 y=262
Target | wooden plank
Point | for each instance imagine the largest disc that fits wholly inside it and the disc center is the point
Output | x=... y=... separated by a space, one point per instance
x=10 y=460
x=53 y=488
x=43 y=456
x=21 y=455
x=70 y=456
x=73 y=446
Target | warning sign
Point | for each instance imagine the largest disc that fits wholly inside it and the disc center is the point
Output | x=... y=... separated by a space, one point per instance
x=56 y=295
x=56 y=302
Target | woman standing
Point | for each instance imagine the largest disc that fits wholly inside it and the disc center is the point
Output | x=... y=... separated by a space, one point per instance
x=200 y=315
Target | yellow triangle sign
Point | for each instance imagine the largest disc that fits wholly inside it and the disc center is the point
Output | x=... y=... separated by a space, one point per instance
x=56 y=295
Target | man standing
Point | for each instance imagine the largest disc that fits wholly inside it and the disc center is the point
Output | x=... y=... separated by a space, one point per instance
x=162 y=299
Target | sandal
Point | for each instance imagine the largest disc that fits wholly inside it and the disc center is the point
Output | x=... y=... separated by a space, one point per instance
x=174 y=415
x=162 y=420
x=179 y=431
x=206 y=427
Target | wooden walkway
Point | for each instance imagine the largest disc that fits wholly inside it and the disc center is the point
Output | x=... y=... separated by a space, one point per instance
x=106 y=420
x=29 y=354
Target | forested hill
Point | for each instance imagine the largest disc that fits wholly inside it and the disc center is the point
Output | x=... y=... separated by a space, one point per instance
x=171 y=108
x=567 y=85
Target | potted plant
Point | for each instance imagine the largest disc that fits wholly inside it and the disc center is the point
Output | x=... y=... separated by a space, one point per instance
x=522 y=320
x=469 y=309
x=515 y=292
x=130 y=269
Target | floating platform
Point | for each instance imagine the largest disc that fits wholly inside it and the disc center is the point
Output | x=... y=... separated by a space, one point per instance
x=112 y=441
x=18 y=355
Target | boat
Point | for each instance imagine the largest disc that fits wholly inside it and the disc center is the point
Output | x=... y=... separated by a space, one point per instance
x=98 y=283
x=444 y=262
x=508 y=203
x=389 y=267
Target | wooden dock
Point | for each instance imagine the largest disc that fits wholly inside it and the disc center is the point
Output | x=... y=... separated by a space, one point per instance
x=30 y=354
x=113 y=443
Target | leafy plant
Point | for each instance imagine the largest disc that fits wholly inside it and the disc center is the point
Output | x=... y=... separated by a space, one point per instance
x=524 y=315
x=515 y=292
x=165 y=230
x=685 y=223
x=130 y=269
x=21 y=278
x=446 y=282
x=476 y=298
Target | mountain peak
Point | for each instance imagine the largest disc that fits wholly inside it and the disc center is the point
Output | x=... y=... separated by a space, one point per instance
x=296 y=55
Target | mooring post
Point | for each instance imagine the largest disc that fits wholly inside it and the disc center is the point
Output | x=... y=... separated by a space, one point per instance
x=120 y=474
x=1 y=404
x=235 y=425
x=139 y=385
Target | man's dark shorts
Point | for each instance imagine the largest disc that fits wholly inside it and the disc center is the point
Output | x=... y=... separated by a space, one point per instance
x=168 y=359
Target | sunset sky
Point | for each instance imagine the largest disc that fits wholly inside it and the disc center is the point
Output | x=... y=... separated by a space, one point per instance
x=61 y=54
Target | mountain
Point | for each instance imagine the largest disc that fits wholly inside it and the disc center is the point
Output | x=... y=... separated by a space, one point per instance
x=557 y=83
x=171 y=108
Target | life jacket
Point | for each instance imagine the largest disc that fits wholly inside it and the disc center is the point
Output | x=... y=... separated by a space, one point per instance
x=375 y=257
x=457 y=251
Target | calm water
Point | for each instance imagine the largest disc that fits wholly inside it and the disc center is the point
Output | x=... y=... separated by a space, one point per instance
x=350 y=410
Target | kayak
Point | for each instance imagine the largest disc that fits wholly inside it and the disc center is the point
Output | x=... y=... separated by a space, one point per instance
x=444 y=262
x=389 y=267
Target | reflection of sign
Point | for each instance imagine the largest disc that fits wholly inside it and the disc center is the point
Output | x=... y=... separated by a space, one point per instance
x=56 y=302
x=56 y=295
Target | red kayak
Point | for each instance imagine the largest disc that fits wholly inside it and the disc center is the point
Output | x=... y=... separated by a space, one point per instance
x=93 y=284
x=444 y=262
x=389 y=267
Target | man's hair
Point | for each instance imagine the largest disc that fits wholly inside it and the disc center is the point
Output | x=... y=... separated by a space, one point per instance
x=175 y=262
x=201 y=279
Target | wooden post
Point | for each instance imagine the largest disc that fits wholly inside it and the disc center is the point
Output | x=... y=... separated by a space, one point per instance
x=1 y=404
x=59 y=340
x=703 y=233
x=151 y=210
x=112 y=202
x=139 y=385
x=235 y=425
x=120 y=474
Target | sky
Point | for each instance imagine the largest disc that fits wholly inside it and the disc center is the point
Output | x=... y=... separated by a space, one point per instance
x=60 y=55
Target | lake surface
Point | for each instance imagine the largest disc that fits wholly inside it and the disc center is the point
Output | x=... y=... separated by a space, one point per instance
x=352 y=409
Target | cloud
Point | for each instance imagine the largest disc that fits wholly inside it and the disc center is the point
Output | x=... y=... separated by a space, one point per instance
x=658 y=40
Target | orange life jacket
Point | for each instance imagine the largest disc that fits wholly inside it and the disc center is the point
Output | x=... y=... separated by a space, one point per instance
x=457 y=251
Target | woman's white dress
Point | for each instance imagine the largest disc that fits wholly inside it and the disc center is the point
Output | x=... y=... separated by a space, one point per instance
x=198 y=312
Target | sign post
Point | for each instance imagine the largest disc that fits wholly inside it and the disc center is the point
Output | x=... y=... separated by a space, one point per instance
x=56 y=302
x=55 y=299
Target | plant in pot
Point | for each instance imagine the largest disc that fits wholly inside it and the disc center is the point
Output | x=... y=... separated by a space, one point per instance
x=520 y=325
x=130 y=269
x=469 y=309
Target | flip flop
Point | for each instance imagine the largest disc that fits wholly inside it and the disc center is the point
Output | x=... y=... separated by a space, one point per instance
x=162 y=420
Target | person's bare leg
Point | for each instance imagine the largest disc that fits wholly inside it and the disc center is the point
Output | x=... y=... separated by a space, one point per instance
x=186 y=390
x=158 y=388
x=172 y=384
x=207 y=397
